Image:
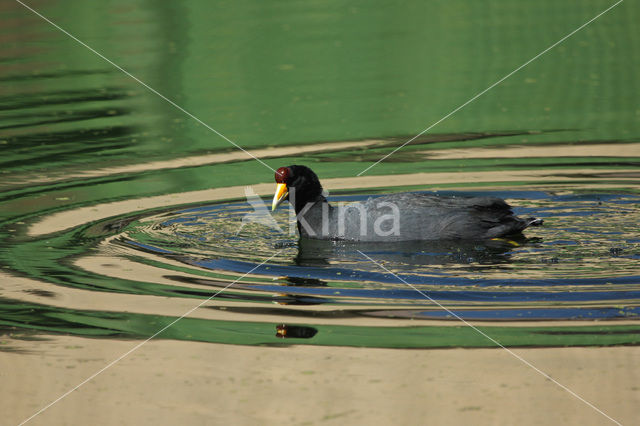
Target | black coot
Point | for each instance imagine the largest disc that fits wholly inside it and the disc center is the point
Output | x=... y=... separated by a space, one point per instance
x=396 y=217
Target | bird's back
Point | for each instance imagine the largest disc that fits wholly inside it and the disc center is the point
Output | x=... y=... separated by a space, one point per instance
x=430 y=217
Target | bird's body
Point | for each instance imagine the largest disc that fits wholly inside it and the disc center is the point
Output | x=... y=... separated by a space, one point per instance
x=397 y=217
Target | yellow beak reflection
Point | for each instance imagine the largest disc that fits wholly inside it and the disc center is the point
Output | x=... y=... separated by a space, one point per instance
x=281 y=194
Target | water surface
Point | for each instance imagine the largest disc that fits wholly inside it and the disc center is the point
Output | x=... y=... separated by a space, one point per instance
x=118 y=212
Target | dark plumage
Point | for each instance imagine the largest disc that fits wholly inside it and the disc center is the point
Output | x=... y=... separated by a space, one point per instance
x=394 y=217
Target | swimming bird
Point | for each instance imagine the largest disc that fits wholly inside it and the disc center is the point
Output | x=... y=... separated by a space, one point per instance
x=407 y=216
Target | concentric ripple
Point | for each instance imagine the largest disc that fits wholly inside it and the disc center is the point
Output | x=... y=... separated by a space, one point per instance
x=582 y=264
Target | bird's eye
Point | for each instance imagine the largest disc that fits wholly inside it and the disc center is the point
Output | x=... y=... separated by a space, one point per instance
x=282 y=175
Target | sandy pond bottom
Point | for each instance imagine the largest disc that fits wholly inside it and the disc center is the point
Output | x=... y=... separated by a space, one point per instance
x=171 y=382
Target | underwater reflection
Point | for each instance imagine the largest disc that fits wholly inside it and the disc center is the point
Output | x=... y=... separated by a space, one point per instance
x=409 y=254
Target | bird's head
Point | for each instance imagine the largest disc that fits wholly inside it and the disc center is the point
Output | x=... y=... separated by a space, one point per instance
x=301 y=181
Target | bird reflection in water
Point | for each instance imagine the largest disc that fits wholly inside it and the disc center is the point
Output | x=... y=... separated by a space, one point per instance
x=409 y=254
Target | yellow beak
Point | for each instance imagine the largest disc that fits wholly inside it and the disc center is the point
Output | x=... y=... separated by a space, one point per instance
x=281 y=193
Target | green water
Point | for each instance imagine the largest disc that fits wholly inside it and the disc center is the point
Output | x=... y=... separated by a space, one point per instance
x=268 y=74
